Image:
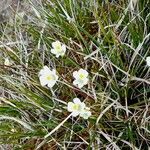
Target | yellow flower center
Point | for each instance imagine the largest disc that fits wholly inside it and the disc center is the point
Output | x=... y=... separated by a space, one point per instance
x=58 y=48
x=76 y=106
x=49 y=77
x=81 y=76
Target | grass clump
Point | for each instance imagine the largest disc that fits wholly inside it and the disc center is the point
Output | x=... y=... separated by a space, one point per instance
x=108 y=39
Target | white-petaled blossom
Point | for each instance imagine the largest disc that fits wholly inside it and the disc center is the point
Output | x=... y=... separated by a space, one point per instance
x=148 y=61
x=81 y=78
x=85 y=113
x=7 y=62
x=48 y=77
x=58 y=49
x=78 y=108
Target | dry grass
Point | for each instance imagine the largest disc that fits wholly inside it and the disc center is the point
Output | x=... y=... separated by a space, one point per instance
x=111 y=40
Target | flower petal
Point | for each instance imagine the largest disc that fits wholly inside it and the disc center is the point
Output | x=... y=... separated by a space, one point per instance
x=64 y=48
x=70 y=106
x=55 y=44
x=57 y=55
x=75 y=82
x=82 y=71
x=43 y=81
x=85 y=81
x=75 y=74
x=148 y=60
x=85 y=114
x=53 y=71
x=76 y=101
x=44 y=71
x=80 y=85
x=51 y=83
x=75 y=113
x=82 y=106
x=53 y=51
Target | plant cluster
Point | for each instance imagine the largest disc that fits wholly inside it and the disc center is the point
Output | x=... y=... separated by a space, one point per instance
x=75 y=74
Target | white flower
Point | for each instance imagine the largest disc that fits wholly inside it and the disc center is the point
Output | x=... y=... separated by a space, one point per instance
x=58 y=49
x=48 y=77
x=85 y=114
x=148 y=61
x=7 y=62
x=76 y=107
x=81 y=78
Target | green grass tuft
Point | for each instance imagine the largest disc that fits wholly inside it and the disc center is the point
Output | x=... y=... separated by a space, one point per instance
x=111 y=40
